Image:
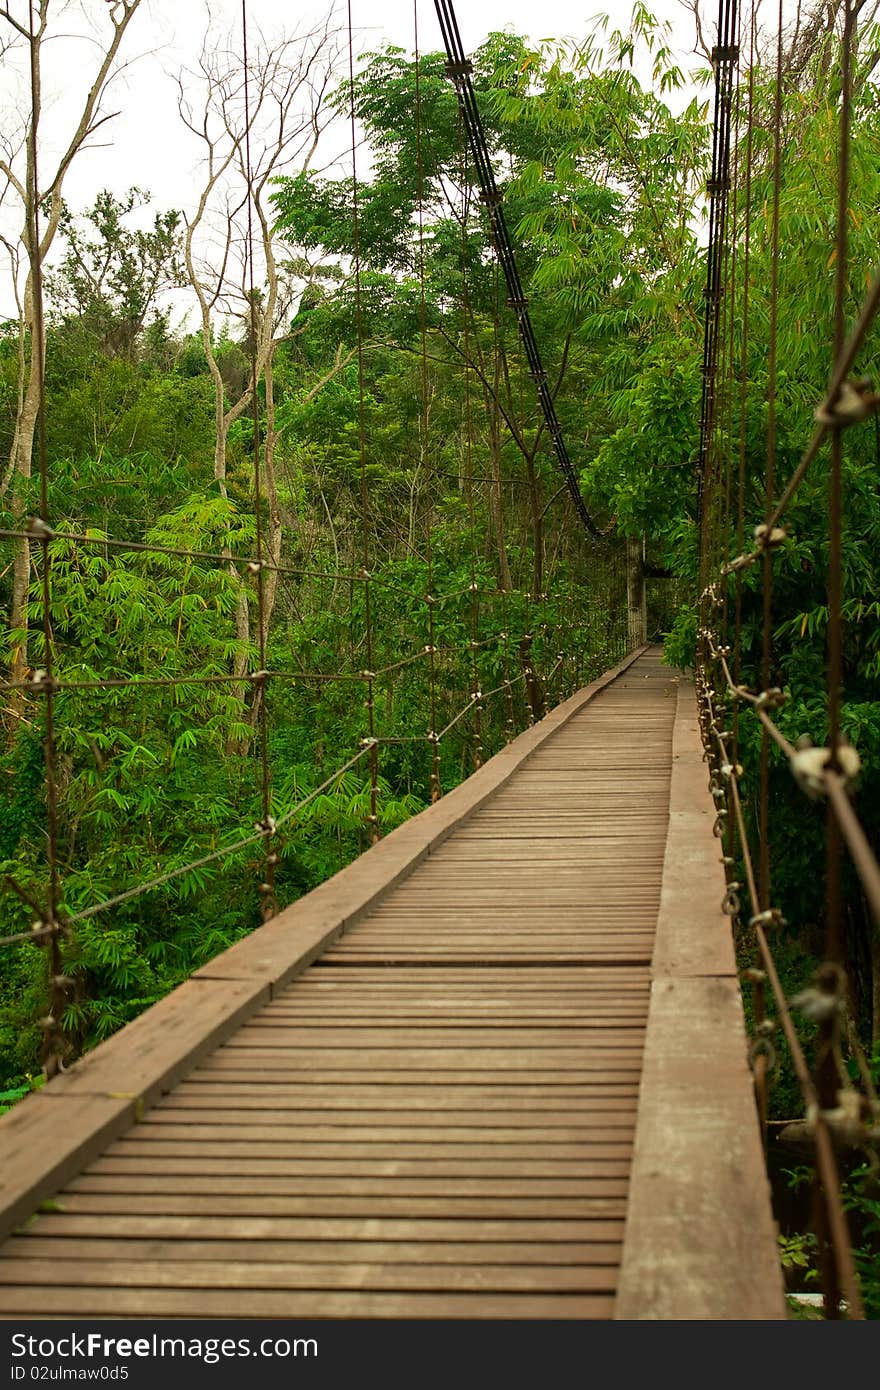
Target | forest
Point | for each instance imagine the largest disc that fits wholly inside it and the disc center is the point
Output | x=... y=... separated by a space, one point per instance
x=345 y=398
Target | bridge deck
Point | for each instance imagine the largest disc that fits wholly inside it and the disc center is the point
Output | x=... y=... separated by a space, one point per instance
x=437 y=1117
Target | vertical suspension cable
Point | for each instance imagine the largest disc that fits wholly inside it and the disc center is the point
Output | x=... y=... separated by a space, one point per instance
x=51 y=1024
x=476 y=693
x=724 y=56
x=756 y=975
x=509 y=704
x=723 y=59
x=770 y=477
x=436 y=789
x=726 y=414
x=373 y=817
x=459 y=69
x=834 y=947
x=831 y=976
x=744 y=373
x=268 y=901
x=731 y=248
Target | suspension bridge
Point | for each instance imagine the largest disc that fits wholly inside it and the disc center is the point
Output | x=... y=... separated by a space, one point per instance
x=497 y=1067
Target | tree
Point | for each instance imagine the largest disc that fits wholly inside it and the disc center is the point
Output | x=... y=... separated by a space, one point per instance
x=249 y=134
x=22 y=148
x=112 y=275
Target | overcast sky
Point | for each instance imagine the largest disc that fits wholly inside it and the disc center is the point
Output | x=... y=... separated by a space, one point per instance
x=145 y=144
x=145 y=140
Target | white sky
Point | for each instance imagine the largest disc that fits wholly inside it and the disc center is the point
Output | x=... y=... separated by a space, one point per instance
x=145 y=143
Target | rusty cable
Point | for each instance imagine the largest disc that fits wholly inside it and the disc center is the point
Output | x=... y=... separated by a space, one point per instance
x=436 y=789
x=260 y=834
x=52 y=1023
x=770 y=470
x=268 y=900
x=459 y=70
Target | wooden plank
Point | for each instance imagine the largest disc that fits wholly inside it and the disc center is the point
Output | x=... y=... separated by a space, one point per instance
x=264 y=1303
x=546 y=1074
x=430 y=1097
x=370 y=1205
x=292 y=1038
x=60 y=1249
x=435 y=1125
x=284 y=1172
x=451 y=1141
x=444 y=1014
x=243 y=1275
x=105 y=1177
x=323 y=1231
x=432 y=1056
x=322 y=976
x=461 y=1093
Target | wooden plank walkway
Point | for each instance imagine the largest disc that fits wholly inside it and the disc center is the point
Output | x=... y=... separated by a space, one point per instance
x=437 y=1117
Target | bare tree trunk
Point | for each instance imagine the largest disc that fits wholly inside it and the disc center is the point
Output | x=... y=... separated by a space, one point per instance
x=21 y=463
x=496 y=501
x=537 y=512
x=275 y=538
x=636 y=609
x=534 y=687
x=289 y=82
x=23 y=186
x=223 y=420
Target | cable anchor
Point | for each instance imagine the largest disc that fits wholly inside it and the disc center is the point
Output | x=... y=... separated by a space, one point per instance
x=730 y=904
x=769 y=538
x=810 y=766
x=855 y=401
x=770 y=917
x=774 y=698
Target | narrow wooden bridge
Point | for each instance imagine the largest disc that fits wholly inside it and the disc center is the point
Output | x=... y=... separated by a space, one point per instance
x=495 y=1068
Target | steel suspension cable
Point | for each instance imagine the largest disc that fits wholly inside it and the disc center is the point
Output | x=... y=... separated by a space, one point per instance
x=373 y=817
x=770 y=472
x=724 y=57
x=268 y=900
x=59 y=984
x=469 y=450
x=459 y=69
x=827 y=1078
x=436 y=789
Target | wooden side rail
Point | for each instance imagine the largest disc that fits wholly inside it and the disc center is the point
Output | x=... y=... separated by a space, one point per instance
x=700 y=1240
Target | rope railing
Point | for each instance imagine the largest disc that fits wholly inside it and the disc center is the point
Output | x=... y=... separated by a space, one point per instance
x=516 y=619
x=823 y=774
x=506 y=642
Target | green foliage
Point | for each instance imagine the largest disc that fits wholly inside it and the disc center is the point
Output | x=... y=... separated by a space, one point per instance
x=111 y=274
